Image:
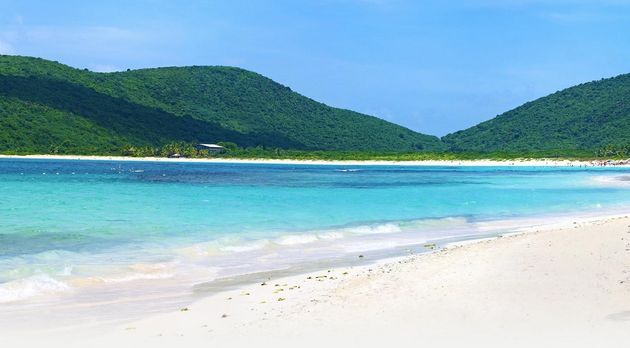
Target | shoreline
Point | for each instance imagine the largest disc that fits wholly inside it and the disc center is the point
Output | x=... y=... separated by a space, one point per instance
x=296 y=302
x=464 y=163
x=345 y=301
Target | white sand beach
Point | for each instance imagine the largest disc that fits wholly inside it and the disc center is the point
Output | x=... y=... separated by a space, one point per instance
x=567 y=286
x=470 y=163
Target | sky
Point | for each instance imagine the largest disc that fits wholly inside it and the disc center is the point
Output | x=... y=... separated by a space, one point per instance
x=433 y=66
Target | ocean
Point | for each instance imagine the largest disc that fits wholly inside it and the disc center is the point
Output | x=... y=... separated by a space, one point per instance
x=78 y=231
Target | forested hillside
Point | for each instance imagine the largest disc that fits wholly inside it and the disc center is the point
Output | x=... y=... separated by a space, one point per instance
x=585 y=117
x=48 y=107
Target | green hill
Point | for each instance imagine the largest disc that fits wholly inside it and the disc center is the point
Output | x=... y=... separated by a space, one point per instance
x=584 y=117
x=47 y=107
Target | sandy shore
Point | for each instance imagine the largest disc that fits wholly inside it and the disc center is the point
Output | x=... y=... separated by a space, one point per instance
x=477 y=163
x=567 y=286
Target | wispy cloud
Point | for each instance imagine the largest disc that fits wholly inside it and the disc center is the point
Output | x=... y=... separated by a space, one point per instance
x=9 y=35
x=574 y=17
x=96 y=42
x=87 y=35
x=6 y=48
x=106 y=68
x=6 y=42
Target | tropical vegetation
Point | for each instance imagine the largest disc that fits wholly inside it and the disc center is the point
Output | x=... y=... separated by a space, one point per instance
x=585 y=117
x=50 y=108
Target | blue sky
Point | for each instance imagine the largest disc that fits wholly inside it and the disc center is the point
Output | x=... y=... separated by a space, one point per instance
x=433 y=66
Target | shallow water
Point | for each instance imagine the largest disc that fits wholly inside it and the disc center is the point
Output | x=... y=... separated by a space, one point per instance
x=85 y=230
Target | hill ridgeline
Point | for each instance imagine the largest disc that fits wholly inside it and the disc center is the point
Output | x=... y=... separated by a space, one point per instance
x=48 y=107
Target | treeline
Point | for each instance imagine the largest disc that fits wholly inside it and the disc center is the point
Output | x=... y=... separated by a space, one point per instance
x=252 y=153
x=180 y=149
x=614 y=151
x=232 y=150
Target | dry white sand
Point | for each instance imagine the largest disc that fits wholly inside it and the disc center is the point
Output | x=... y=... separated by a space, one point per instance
x=477 y=163
x=565 y=287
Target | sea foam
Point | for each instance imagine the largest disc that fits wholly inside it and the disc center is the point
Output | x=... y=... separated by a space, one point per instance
x=26 y=288
x=613 y=180
x=246 y=246
x=142 y=272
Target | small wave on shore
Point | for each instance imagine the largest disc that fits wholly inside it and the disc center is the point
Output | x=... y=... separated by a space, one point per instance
x=142 y=272
x=613 y=180
x=22 y=289
x=180 y=265
x=408 y=229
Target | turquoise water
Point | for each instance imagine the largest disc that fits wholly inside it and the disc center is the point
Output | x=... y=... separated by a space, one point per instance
x=71 y=226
